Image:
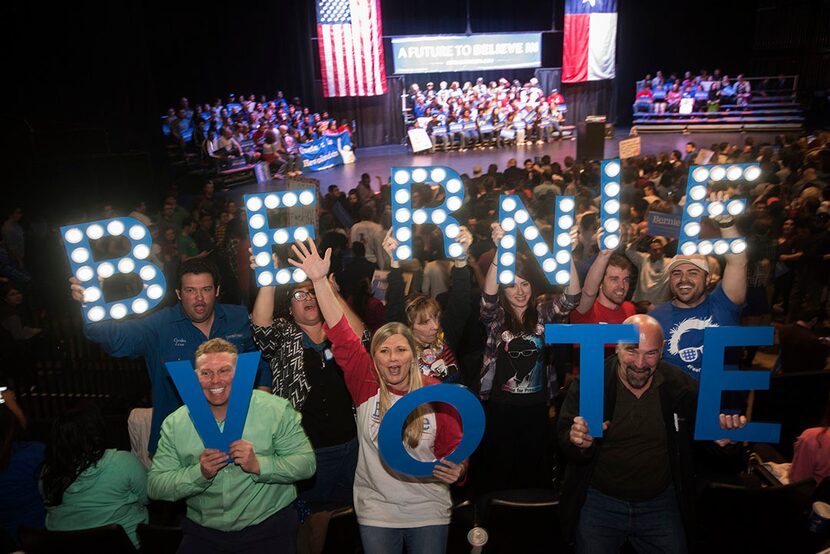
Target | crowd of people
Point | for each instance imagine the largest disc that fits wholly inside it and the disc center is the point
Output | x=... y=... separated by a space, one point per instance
x=706 y=92
x=335 y=359
x=487 y=114
x=246 y=130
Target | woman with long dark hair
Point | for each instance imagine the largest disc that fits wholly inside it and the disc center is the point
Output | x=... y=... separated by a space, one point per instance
x=516 y=381
x=86 y=485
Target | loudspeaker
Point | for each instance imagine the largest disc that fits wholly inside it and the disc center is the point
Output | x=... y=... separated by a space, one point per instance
x=590 y=141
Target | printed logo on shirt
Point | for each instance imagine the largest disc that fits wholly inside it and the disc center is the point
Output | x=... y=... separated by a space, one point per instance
x=233 y=336
x=179 y=342
x=686 y=341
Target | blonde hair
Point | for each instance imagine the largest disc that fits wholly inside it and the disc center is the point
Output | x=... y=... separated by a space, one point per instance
x=215 y=346
x=414 y=427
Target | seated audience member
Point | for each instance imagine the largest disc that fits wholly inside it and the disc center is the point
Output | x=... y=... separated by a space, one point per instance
x=392 y=510
x=20 y=461
x=801 y=348
x=643 y=464
x=87 y=485
x=811 y=456
x=239 y=500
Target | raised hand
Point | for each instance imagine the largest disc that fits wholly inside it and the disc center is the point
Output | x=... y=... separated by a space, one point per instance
x=390 y=243
x=496 y=233
x=310 y=262
x=465 y=239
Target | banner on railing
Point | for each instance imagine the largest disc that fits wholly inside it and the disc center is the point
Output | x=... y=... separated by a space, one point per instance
x=326 y=152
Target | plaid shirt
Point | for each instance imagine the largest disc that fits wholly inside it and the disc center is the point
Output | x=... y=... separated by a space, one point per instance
x=492 y=315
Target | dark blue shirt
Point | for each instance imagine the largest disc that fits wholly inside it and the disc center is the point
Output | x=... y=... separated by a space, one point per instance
x=168 y=335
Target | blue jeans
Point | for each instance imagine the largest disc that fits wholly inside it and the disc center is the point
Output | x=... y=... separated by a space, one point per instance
x=655 y=525
x=431 y=539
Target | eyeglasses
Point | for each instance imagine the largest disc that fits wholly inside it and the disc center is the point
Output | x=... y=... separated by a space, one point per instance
x=522 y=353
x=301 y=295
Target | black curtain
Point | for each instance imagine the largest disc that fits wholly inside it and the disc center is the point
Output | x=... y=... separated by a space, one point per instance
x=378 y=119
x=590 y=98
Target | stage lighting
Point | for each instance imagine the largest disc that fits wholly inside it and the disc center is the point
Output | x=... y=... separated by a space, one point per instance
x=612 y=169
x=721 y=247
x=298 y=275
x=521 y=216
x=611 y=242
x=139 y=306
x=612 y=225
x=508 y=204
x=154 y=292
x=306 y=198
x=531 y=233
x=563 y=257
x=419 y=217
x=454 y=186
x=751 y=173
x=438 y=175
x=508 y=224
x=254 y=203
x=688 y=248
x=540 y=249
x=563 y=239
x=283 y=276
x=705 y=247
x=715 y=209
x=507 y=259
x=142 y=251
x=403 y=252
x=401 y=176
x=692 y=229
x=118 y=311
x=454 y=203
x=695 y=209
x=300 y=234
x=419 y=175
x=717 y=173
x=455 y=250
x=507 y=241
x=549 y=265
x=562 y=276
x=402 y=215
x=565 y=222
x=265 y=278
x=565 y=204
x=506 y=277
x=451 y=231
x=611 y=206
x=612 y=189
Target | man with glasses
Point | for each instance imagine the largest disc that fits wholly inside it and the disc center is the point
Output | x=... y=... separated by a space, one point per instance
x=636 y=483
x=174 y=333
x=305 y=373
x=238 y=500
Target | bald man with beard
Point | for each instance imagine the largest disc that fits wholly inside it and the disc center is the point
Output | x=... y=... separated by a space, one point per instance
x=634 y=483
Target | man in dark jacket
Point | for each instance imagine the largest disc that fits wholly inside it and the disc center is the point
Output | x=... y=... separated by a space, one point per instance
x=636 y=482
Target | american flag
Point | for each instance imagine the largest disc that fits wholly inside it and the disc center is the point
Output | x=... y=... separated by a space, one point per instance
x=351 y=47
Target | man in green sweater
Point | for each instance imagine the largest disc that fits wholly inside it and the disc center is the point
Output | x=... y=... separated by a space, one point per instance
x=240 y=500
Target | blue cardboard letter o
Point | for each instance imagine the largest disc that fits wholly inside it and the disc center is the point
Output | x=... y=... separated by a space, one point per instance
x=391 y=447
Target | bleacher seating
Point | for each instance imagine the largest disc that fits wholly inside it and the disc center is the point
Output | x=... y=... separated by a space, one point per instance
x=767 y=110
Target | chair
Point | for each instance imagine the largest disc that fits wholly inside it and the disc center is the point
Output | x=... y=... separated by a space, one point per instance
x=109 y=538
x=763 y=519
x=525 y=520
x=343 y=534
x=159 y=539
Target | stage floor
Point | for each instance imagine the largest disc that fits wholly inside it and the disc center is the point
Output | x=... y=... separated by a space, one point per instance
x=377 y=160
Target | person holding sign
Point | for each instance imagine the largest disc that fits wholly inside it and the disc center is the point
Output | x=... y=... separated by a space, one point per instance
x=515 y=376
x=392 y=509
x=635 y=483
x=238 y=500
x=437 y=333
x=174 y=333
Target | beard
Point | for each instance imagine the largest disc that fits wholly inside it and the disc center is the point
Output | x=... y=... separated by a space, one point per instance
x=638 y=379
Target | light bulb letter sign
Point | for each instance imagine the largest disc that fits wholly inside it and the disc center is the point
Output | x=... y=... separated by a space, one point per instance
x=403 y=216
x=610 y=203
x=555 y=262
x=592 y=340
x=696 y=205
x=91 y=273
x=263 y=237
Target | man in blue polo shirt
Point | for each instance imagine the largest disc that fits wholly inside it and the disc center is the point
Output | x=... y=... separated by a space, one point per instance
x=174 y=333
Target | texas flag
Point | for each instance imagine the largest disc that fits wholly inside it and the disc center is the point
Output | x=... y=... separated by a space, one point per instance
x=590 y=45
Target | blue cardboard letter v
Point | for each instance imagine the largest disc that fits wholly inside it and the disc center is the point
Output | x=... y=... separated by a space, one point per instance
x=184 y=377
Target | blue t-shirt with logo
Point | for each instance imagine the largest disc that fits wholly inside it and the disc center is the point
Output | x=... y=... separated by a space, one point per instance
x=683 y=329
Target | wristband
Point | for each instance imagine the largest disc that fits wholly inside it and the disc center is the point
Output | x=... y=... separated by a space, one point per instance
x=725 y=224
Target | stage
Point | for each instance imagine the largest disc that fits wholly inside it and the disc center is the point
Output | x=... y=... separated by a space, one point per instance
x=377 y=160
